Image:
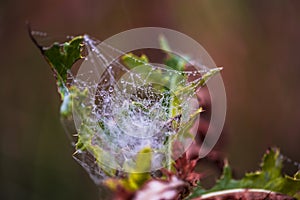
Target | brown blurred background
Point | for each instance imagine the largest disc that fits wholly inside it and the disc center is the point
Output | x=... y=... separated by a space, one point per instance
x=257 y=42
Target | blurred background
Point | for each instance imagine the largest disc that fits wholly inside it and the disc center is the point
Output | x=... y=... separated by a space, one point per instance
x=257 y=43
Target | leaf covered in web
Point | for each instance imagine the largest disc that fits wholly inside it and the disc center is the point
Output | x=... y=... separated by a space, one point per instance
x=135 y=179
x=268 y=178
x=143 y=163
x=123 y=108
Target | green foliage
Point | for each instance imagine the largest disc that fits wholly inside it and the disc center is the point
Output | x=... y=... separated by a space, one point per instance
x=62 y=57
x=268 y=178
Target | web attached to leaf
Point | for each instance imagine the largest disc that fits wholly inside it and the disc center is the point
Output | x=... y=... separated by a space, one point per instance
x=128 y=107
x=121 y=104
x=134 y=108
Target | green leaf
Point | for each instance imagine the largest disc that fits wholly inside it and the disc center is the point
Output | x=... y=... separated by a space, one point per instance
x=268 y=178
x=140 y=174
x=61 y=58
x=138 y=171
x=164 y=44
x=201 y=82
x=137 y=175
x=173 y=61
x=131 y=61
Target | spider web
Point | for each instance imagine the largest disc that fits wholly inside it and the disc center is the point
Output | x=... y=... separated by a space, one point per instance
x=123 y=110
x=131 y=110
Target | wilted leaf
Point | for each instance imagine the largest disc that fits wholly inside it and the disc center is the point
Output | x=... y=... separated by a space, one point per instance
x=159 y=189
